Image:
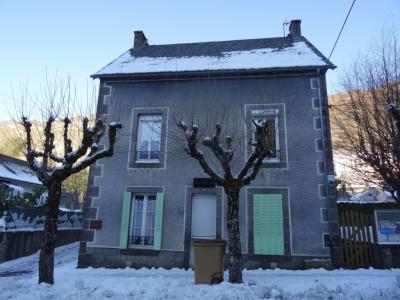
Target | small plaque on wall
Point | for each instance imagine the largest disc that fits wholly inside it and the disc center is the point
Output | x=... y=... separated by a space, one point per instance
x=95 y=224
x=203 y=182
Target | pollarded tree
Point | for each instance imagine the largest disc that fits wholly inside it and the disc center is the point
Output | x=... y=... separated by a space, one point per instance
x=230 y=182
x=53 y=165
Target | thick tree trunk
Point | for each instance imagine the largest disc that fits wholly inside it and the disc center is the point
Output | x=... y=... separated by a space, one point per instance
x=46 y=259
x=234 y=246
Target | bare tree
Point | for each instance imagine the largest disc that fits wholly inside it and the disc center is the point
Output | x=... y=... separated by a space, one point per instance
x=360 y=115
x=58 y=102
x=231 y=183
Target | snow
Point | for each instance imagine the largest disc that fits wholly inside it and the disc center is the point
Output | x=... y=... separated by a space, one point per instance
x=17 y=172
x=2 y=224
x=298 y=55
x=23 y=219
x=18 y=280
x=70 y=210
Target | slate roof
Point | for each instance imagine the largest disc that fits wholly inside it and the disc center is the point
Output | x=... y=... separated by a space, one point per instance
x=252 y=54
x=16 y=169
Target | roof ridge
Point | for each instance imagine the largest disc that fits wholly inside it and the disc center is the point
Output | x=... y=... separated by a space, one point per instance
x=220 y=41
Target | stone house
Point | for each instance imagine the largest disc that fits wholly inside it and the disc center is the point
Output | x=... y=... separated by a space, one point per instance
x=146 y=204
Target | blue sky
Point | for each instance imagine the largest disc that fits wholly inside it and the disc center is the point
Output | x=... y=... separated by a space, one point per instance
x=79 y=37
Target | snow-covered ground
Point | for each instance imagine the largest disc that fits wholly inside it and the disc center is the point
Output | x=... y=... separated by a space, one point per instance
x=18 y=280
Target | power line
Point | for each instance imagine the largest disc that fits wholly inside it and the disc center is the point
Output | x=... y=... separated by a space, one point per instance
x=344 y=23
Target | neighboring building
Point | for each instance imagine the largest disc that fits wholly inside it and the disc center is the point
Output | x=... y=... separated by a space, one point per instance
x=16 y=177
x=372 y=195
x=146 y=203
x=343 y=196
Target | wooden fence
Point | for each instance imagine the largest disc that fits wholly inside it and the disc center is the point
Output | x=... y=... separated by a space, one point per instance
x=359 y=235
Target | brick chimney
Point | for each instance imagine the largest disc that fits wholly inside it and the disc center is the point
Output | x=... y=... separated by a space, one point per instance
x=295 y=28
x=140 y=40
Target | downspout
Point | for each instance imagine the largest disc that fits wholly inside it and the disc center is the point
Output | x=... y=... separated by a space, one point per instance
x=328 y=165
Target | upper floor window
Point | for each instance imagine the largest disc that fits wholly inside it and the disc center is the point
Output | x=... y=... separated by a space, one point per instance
x=149 y=138
x=271 y=116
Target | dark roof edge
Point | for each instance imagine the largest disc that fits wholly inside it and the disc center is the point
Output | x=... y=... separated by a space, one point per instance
x=206 y=73
x=319 y=53
x=7 y=158
x=2 y=179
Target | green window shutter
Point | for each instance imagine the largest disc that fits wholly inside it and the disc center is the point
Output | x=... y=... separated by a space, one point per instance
x=126 y=211
x=158 y=221
x=268 y=224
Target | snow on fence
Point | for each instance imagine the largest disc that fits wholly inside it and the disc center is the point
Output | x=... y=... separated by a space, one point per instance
x=32 y=219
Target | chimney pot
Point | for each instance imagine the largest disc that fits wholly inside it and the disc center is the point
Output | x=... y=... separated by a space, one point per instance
x=295 y=28
x=140 y=40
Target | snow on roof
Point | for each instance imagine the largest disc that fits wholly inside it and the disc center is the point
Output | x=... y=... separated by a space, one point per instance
x=15 y=169
x=369 y=196
x=230 y=55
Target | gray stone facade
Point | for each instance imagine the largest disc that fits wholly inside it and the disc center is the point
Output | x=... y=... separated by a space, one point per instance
x=300 y=174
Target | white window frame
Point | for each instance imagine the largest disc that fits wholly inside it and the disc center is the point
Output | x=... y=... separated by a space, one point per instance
x=144 y=219
x=148 y=118
x=266 y=113
x=314 y=82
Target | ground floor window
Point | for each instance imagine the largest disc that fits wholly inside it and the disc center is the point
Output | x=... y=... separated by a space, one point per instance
x=204 y=216
x=143 y=219
x=268 y=224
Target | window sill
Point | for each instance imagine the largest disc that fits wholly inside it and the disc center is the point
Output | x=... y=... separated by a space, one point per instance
x=271 y=160
x=141 y=247
x=143 y=164
x=147 y=161
x=199 y=238
x=140 y=251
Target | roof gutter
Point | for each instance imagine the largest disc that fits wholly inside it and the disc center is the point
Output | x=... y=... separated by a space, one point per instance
x=207 y=73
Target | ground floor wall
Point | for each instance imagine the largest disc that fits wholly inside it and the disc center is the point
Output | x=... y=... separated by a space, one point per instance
x=137 y=258
x=15 y=244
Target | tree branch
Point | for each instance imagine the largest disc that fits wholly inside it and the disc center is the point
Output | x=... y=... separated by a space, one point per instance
x=219 y=152
x=67 y=141
x=90 y=159
x=48 y=142
x=31 y=155
x=87 y=140
x=258 y=154
x=191 y=141
x=256 y=168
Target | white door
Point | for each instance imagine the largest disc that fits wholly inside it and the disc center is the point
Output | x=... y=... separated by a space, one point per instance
x=204 y=216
